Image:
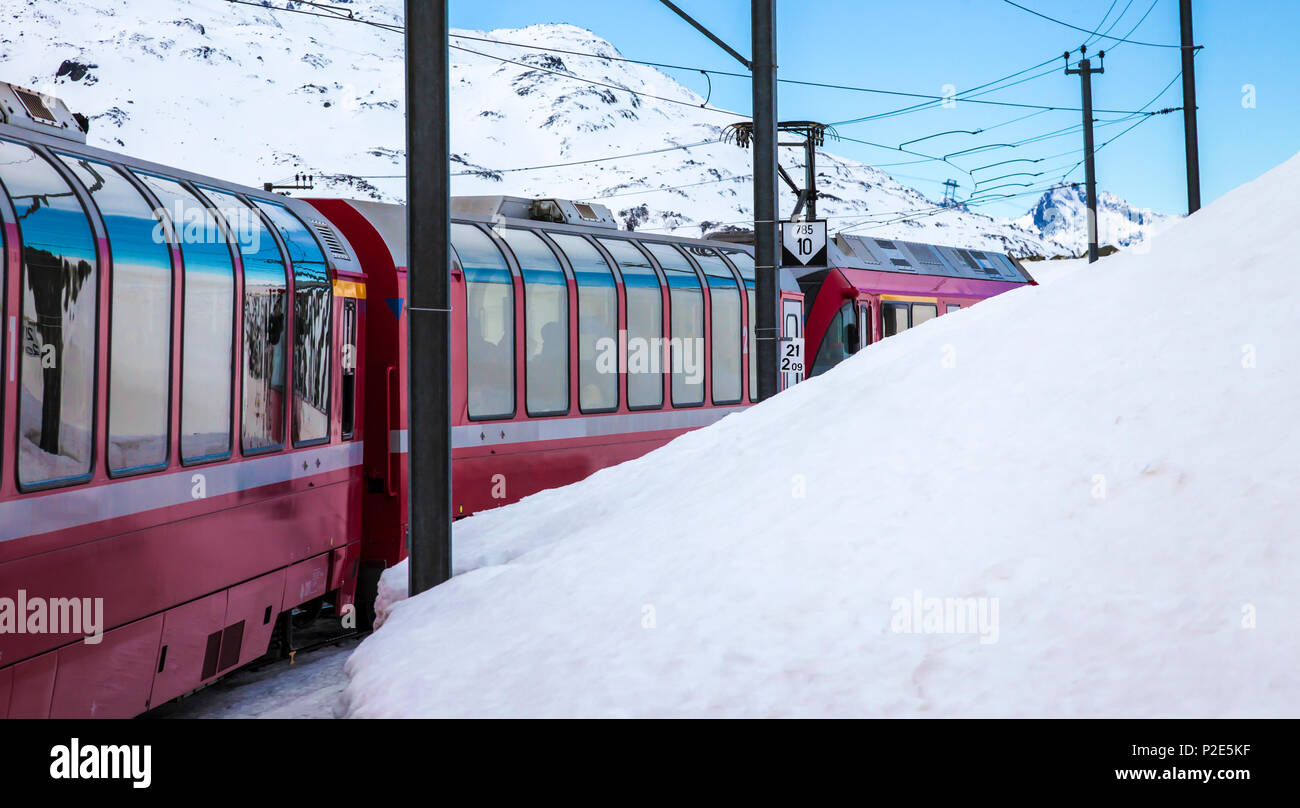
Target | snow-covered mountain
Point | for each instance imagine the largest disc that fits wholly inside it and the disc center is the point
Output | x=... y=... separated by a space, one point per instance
x=1061 y=216
x=255 y=95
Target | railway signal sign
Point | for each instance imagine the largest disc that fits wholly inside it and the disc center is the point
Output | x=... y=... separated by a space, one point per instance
x=803 y=244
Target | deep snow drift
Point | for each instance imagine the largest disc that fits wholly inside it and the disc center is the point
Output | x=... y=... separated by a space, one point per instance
x=1111 y=456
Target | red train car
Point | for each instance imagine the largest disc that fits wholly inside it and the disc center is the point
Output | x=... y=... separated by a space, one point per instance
x=577 y=346
x=202 y=398
x=875 y=288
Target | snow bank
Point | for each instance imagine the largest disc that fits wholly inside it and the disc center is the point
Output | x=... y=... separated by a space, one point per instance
x=1105 y=465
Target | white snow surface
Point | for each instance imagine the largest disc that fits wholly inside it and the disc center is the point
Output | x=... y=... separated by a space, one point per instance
x=1110 y=455
x=252 y=95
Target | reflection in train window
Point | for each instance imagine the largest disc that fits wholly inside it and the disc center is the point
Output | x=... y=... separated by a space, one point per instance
x=59 y=298
x=645 y=325
x=208 y=322
x=312 y=303
x=546 y=324
x=597 y=325
x=489 y=323
x=265 y=323
x=686 y=335
x=724 y=320
x=835 y=347
x=140 y=318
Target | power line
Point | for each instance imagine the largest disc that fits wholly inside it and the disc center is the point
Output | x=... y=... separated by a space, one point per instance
x=1086 y=31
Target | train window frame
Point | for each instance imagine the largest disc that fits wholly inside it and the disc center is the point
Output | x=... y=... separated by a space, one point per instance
x=514 y=278
x=949 y=308
x=205 y=193
x=660 y=287
x=561 y=264
x=234 y=351
x=701 y=286
x=8 y=334
x=731 y=281
x=95 y=232
x=557 y=239
x=911 y=313
x=261 y=206
x=894 y=305
x=849 y=307
x=348 y=398
x=161 y=219
x=749 y=285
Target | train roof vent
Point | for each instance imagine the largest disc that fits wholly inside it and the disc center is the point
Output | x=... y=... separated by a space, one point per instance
x=900 y=262
x=566 y=211
x=923 y=254
x=41 y=113
x=888 y=245
x=856 y=246
x=331 y=240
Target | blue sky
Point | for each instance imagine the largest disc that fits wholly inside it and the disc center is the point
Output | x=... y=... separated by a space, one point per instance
x=922 y=45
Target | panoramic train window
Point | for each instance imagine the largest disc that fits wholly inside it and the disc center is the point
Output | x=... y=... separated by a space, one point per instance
x=489 y=323
x=265 y=322
x=745 y=266
x=686 y=334
x=922 y=312
x=546 y=324
x=56 y=409
x=312 y=303
x=207 y=323
x=597 y=324
x=724 y=314
x=140 y=319
x=645 y=325
x=835 y=347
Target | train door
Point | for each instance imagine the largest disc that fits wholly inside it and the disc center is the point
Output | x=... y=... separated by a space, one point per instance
x=792 y=345
x=864 y=323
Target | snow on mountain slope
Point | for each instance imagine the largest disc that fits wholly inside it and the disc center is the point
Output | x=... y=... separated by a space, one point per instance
x=253 y=96
x=1117 y=509
x=1061 y=216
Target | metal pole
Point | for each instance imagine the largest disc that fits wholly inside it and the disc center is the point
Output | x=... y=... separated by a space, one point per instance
x=429 y=304
x=1089 y=164
x=810 y=176
x=767 y=247
x=1189 y=109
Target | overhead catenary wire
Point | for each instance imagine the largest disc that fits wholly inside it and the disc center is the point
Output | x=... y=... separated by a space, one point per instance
x=1086 y=31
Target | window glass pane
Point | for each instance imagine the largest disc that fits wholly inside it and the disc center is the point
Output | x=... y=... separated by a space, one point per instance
x=265 y=312
x=724 y=320
x=546 y=324
x=645 y=324
x=922 y=312
x=745 y=266
x=208 y=322
x=312 y=303
x=139 y=363
x=835 y=344
x=753 y=343
x=59 y=297
x=597 y=324
x=686 y=342
x=951 y=307
x=895 y=317
x=490 y=323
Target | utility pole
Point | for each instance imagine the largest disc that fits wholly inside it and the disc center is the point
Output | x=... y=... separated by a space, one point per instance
x=428 y=307
x=949 y=192
x=1189 y=108
x=767 y=241
x=1085 y=72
